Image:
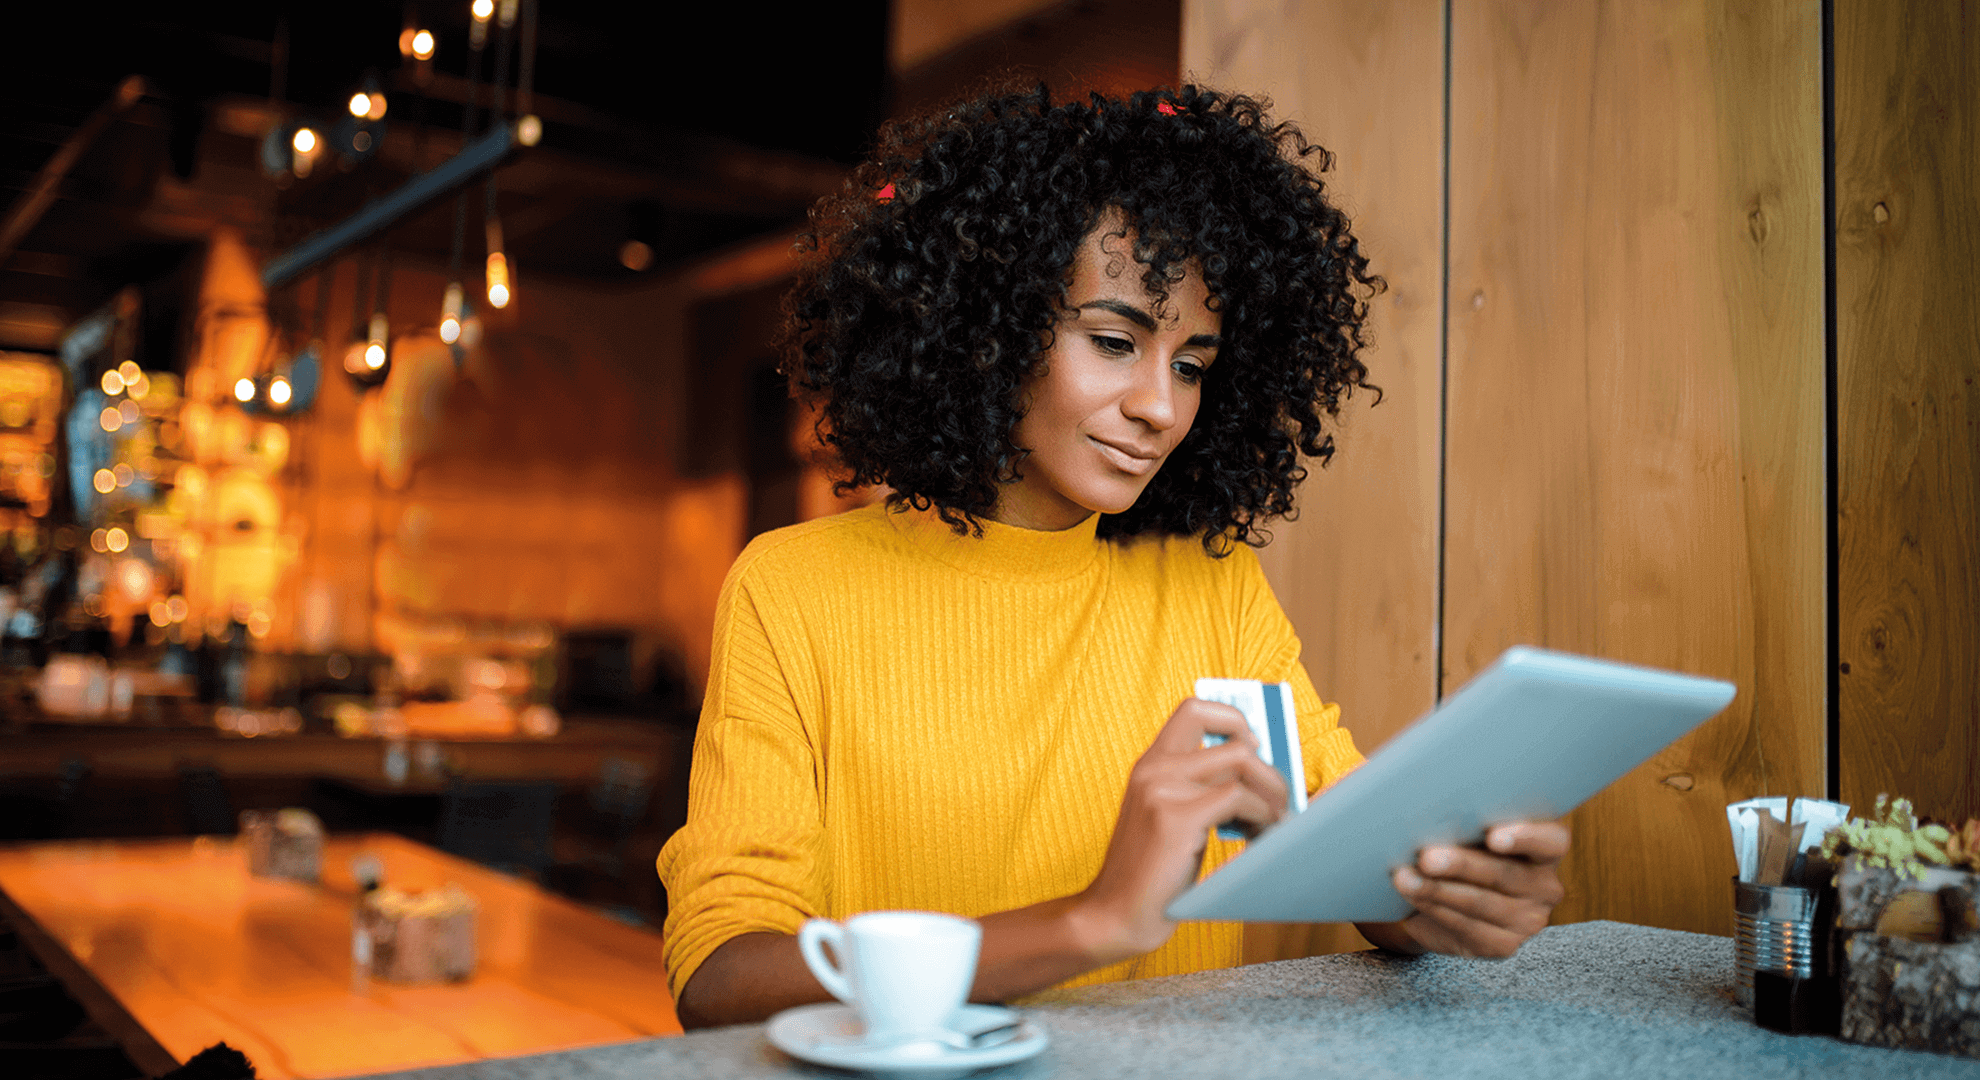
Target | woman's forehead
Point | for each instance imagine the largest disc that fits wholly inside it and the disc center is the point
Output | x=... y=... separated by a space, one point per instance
x=1105 y=269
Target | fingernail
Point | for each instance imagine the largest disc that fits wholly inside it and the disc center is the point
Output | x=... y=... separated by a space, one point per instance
x=1499 y=839
x=1408 y=881
x=1436 y=861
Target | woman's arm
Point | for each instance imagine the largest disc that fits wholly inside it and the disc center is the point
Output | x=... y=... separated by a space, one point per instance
x=1177 y=792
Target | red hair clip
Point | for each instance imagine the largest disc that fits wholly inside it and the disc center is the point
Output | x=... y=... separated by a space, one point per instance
x=886 y=194
x=1166 y=109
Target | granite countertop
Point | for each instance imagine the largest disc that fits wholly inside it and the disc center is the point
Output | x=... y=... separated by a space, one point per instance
x=1596 y=1000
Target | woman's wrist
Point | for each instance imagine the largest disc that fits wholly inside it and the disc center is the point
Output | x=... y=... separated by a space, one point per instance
x=1100 y=932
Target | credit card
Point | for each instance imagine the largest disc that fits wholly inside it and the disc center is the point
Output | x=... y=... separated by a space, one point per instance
x=1268 y=711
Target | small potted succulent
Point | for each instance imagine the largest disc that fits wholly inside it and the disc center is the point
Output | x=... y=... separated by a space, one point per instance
x=1907 y=933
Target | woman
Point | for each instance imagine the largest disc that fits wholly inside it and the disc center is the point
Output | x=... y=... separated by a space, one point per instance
x=1086 y=345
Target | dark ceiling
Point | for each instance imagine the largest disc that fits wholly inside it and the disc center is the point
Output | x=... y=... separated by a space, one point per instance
x=684 y=126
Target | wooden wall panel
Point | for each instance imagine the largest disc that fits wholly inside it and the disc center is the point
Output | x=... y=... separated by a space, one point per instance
x=1907 y=78
x=1634 y=464
x=1357 y=571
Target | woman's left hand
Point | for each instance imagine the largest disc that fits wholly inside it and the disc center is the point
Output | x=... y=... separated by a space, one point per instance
x=1481 y=902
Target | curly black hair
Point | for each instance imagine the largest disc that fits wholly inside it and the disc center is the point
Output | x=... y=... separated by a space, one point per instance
x=930 y=286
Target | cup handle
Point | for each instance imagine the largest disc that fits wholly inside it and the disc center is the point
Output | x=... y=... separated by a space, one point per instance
x=811 y=936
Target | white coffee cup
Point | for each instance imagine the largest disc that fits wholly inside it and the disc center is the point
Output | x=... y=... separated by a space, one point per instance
x=906 y=972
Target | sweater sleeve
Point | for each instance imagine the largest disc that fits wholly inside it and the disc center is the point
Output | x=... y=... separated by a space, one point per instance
x=750 y=857
x=1271 y=648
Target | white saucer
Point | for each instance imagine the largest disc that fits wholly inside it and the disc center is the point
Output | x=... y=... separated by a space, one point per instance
x=812 y=1033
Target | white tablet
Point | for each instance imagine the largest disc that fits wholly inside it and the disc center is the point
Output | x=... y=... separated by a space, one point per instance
x=1530 y=738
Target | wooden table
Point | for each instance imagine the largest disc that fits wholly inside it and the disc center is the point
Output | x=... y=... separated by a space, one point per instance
x=196 y=951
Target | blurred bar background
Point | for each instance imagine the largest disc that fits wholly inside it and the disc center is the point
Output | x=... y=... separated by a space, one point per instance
x=1677 y=356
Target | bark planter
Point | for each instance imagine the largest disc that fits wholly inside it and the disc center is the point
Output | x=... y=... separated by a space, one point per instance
x=1902 y=993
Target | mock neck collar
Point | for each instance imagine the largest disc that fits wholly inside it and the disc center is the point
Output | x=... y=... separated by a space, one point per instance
x=1004 y=551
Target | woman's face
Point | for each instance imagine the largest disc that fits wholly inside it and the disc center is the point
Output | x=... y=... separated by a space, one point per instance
x=1117 y=391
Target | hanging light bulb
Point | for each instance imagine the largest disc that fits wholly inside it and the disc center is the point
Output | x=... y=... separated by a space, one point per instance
x=374 y=350
x=498 y=279
x=450 y=313
x=305 y=144
x=482 y=10
x=499 y=287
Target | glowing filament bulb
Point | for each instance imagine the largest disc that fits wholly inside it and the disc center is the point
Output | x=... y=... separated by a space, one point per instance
x=360 y=105
x=374 y=350
x=498 y=279
x=305 y=141
x=279 y=392
x=450 y=313
x=244 y=390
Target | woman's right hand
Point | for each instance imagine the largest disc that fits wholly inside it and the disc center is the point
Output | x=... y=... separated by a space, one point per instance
x=1176 y=793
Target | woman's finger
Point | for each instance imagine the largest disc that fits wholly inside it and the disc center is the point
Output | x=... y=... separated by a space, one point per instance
x=1518 y=915
x=1534 y=841
x=1195 y=718
x=1497 y=873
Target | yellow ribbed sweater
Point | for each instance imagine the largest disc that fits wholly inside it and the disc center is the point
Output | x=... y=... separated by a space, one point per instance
x=899 y=717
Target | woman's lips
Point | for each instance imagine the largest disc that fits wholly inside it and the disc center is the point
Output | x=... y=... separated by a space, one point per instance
x=1132 y=462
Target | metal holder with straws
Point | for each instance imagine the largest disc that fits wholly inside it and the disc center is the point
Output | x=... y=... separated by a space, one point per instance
x=1783 y=905
x=1776 y=932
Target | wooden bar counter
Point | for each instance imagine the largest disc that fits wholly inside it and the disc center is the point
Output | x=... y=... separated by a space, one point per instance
x=197 y=951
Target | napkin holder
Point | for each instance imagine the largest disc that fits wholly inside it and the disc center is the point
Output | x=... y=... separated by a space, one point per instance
x=283 y=844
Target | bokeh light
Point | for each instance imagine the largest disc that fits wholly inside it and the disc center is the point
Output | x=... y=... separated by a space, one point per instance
x=244 y=391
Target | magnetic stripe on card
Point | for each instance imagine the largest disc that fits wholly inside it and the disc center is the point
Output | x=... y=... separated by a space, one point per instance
x=1275 y=723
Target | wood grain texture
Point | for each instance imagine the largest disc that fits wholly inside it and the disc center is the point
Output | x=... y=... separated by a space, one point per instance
x=1907 y=79
x=197 y=951
x=1357 y=572
x=1634 y=465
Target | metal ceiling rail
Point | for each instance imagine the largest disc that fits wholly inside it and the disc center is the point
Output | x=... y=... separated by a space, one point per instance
x=477 y=157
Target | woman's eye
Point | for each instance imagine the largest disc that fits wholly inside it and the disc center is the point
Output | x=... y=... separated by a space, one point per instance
x=1112 y=346
x=1188 y=371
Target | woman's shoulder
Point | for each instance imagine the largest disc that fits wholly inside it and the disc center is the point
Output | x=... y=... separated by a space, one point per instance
x=833 y=545
x=1186 y=559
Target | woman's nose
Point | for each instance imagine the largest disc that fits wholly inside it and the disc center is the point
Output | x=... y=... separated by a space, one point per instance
x=1151 y=398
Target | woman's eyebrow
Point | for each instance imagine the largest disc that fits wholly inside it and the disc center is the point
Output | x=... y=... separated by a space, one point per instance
x=1126 y=311
x=1147 y=322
